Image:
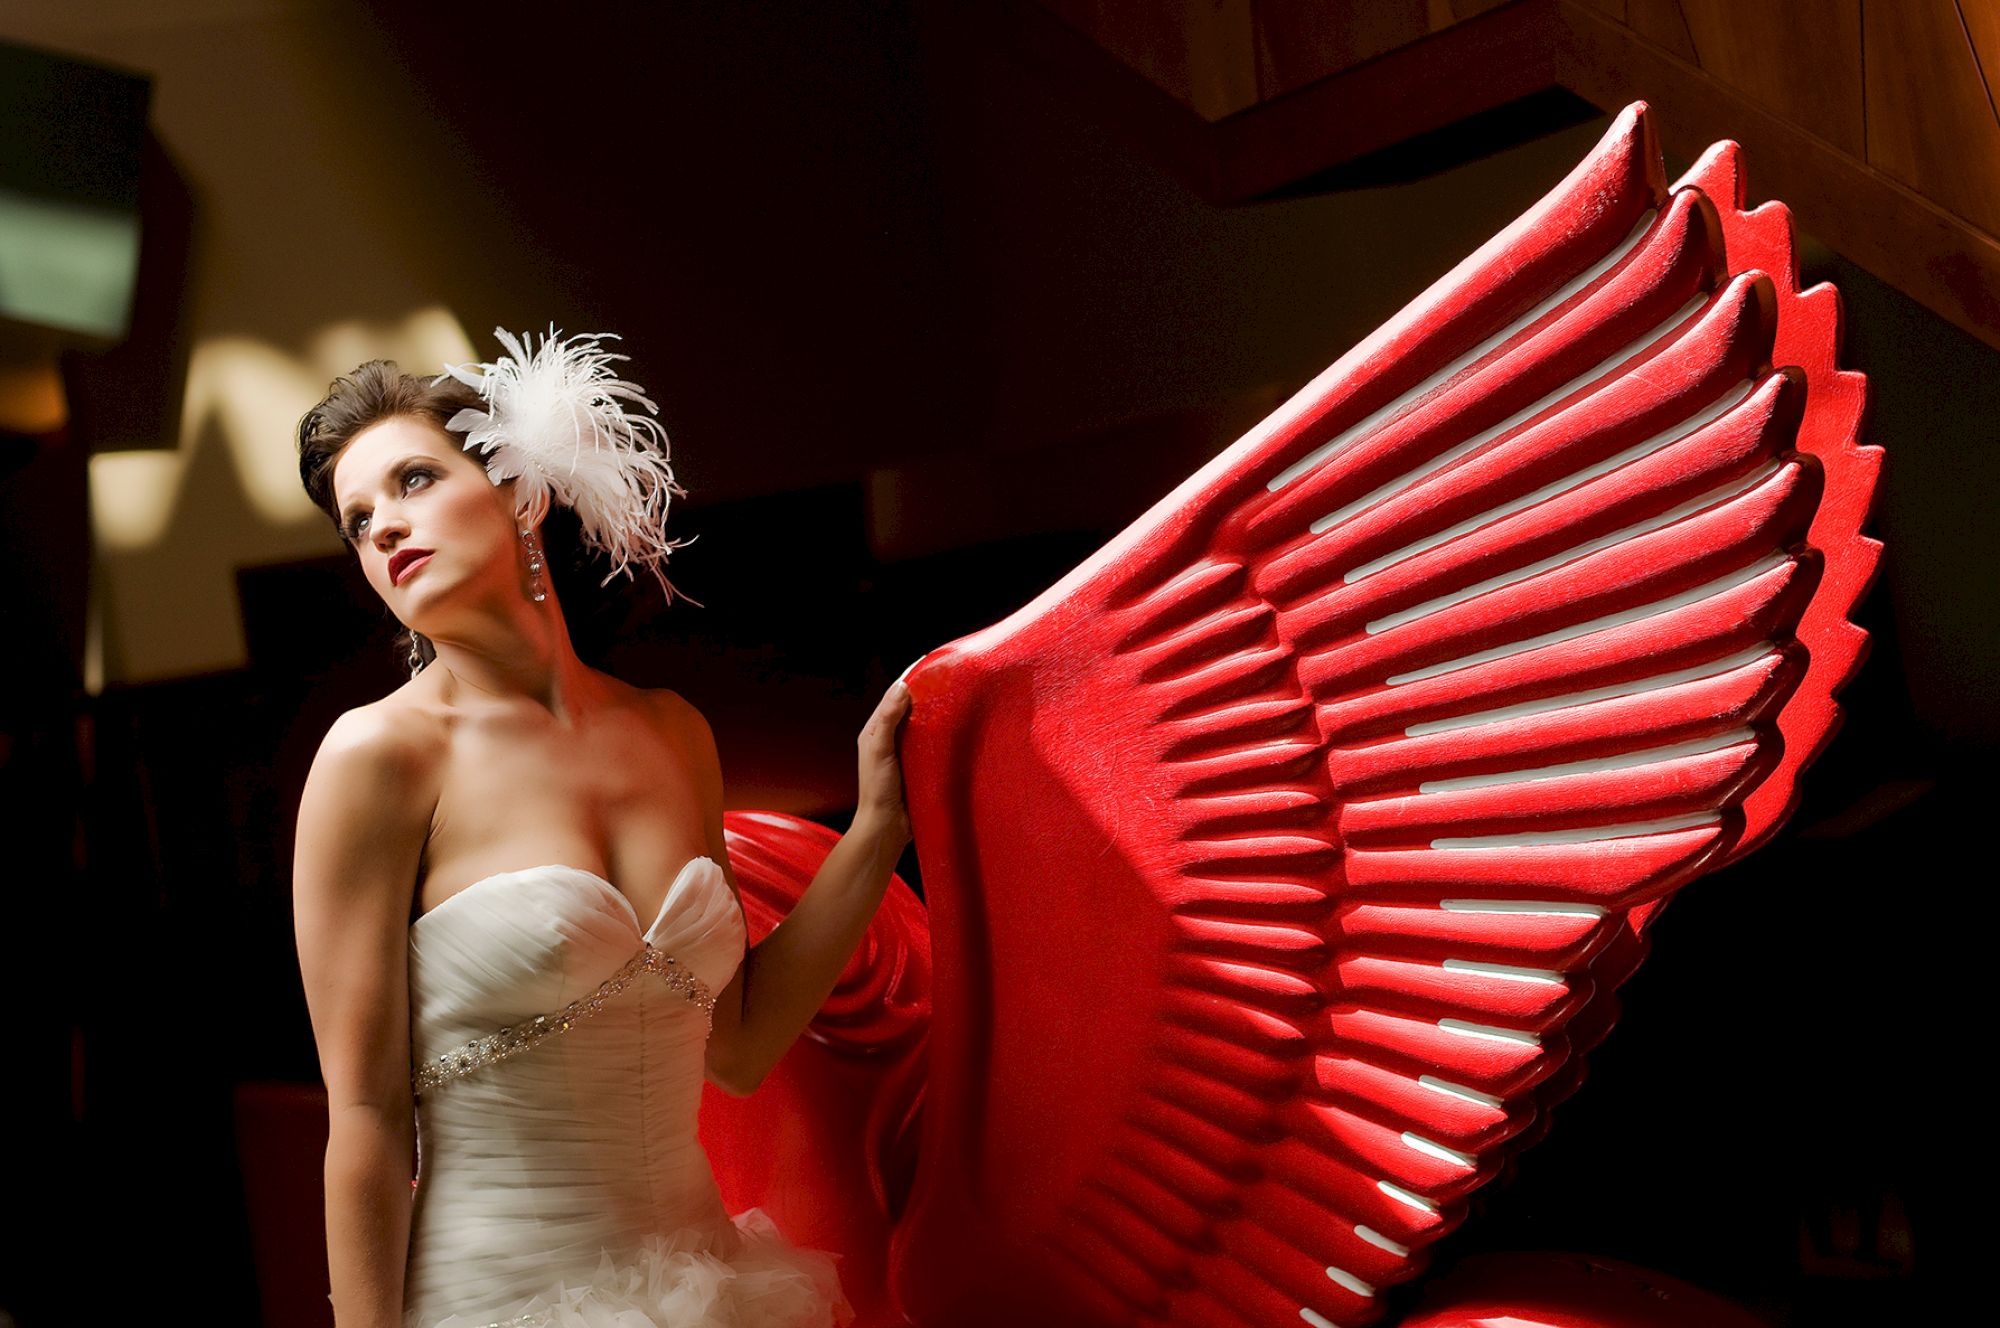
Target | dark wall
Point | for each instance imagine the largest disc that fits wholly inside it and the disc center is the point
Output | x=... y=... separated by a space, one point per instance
x=876 y=273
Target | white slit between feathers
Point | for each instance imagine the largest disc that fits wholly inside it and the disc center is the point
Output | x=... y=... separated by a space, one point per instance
x=1638 y=345
x=1659 y=521
x=1460 y=1091
x=1406 y=1197
x=1382 y=1242
x=1374 y=419
x=1588 y=834
x=1720 y=585
x=1466 y=1028
x=1659 y=681
x=1660 y=441
x=1417 y=1143
x=1513 y=972
x=1350 y=1281
x=1524 y=907
x=1594 y=766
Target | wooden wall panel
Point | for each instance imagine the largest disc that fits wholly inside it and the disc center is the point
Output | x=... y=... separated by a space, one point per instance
x=1982 y=25
x=1930 y=113
x=1469 y=66
x=1201 y=52
x=1891 y=230
x=1446 y=12
x=1662 y=23
x=1875 y=119
x=1800 y=59
x=1302 y=41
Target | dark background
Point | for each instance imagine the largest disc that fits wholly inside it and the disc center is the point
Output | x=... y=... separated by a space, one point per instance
x=926 y=335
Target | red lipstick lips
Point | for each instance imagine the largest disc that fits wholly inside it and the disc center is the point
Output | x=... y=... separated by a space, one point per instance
x=402 y=560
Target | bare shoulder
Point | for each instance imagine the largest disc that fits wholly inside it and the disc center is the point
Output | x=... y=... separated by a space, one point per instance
x=686 y=729
x=363 y=822
x=366 y=810
x=678 y=717
x=393 y=736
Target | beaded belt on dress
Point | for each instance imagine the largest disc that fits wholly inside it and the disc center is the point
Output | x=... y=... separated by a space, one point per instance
x=532 y=1319
x=517 y=1038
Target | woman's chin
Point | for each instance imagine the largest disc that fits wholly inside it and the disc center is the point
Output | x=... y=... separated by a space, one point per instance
x=417 y=608
x=442 y=605
x=424 y=583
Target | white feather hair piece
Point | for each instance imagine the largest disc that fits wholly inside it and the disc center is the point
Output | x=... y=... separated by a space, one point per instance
x=555 y=420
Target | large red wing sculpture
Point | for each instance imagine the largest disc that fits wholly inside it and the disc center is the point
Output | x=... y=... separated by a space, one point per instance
x=1281 y=858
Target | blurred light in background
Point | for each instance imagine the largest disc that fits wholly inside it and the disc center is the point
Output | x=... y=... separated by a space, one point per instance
x=132 y=496
x=251 y=395
x=31 y=397
x=67 y=265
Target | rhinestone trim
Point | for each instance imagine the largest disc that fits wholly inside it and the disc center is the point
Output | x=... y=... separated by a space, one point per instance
x=532 y=1319
x=514 y=1039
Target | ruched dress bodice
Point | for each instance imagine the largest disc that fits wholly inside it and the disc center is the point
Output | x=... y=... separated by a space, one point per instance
x=559 y=1054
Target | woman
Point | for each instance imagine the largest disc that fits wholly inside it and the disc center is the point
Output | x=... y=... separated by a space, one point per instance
x=530 y=810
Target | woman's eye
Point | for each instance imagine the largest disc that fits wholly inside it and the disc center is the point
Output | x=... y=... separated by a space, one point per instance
x=357 y=526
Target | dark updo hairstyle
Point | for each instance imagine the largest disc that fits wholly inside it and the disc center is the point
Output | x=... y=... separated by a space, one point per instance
x=378 y=391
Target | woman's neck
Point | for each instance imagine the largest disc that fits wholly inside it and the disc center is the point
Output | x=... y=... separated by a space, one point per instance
x=528 y=659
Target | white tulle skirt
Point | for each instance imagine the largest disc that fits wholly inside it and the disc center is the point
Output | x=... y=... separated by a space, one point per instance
x=679 y=1281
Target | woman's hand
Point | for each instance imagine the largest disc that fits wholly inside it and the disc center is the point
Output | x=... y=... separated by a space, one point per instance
x=787 y=976
x=881 y=809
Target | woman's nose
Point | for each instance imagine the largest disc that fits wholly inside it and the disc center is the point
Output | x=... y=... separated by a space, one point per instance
x=387 y=527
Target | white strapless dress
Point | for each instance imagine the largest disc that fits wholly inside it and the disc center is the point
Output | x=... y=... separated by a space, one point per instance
x=558 y=1054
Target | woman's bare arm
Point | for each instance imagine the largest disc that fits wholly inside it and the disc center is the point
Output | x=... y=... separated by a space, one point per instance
x=786 y=977
x=362 y=825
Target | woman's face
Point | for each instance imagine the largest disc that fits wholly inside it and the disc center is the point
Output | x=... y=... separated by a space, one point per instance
x=434 y=534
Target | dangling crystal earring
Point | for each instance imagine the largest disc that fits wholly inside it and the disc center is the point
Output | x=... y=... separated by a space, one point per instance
x=534 y=551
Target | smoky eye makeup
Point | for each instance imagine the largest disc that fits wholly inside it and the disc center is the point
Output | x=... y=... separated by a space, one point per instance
x=407 y=470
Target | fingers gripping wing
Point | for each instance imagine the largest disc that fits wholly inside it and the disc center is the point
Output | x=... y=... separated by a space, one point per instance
x=1278 y=855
